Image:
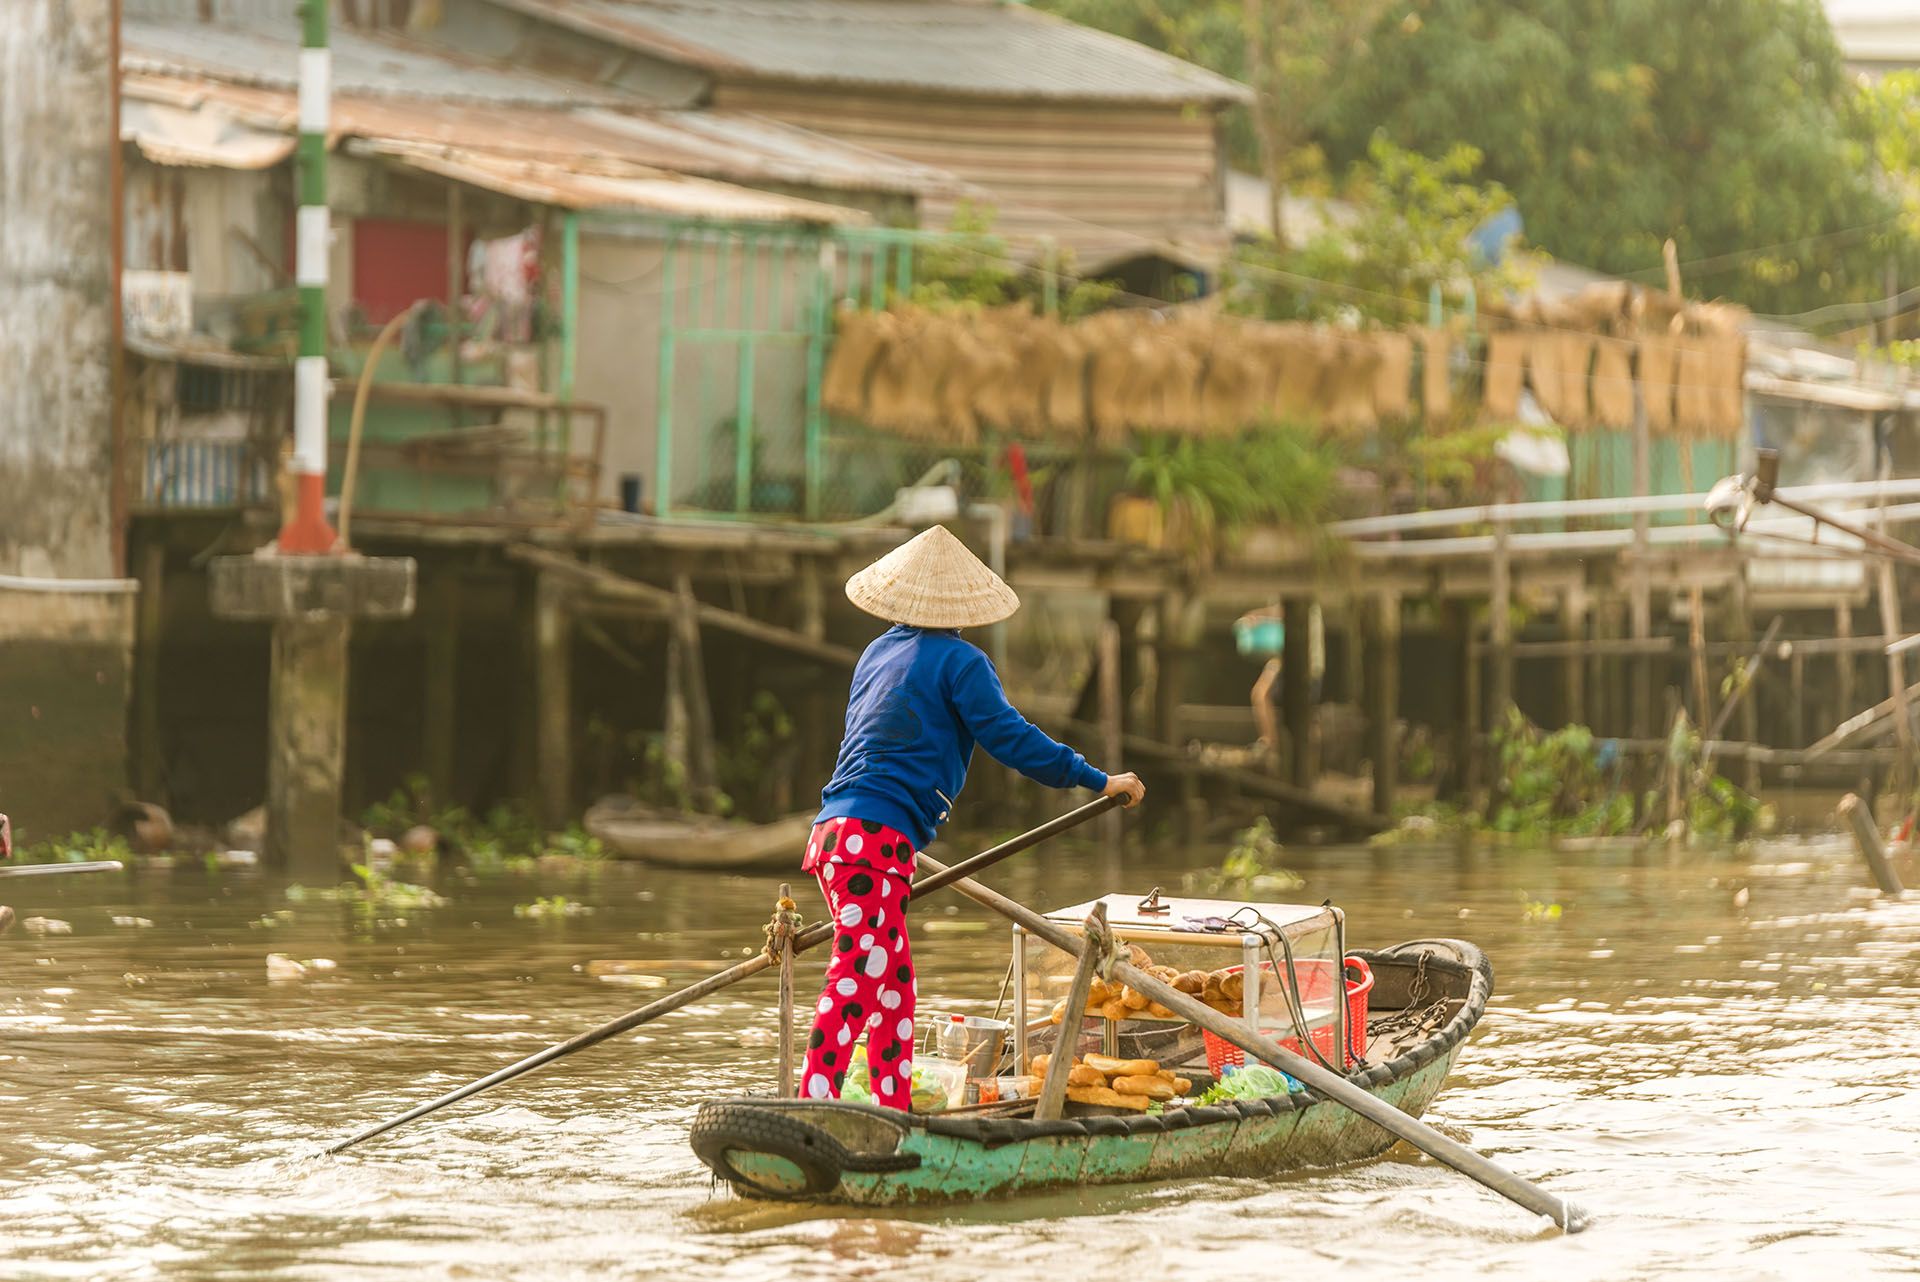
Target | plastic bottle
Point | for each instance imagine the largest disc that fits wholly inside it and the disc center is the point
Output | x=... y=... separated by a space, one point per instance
x=952 y=1043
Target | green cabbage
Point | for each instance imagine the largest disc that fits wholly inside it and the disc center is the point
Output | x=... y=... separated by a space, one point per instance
x=1256 y=1081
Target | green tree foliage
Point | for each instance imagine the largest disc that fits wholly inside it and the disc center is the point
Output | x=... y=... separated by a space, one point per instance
x=1729 y=125
x=1413 y=217
x=973 y=266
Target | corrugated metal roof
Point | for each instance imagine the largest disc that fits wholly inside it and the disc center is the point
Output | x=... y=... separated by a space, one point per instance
x=952 y=46
x=540 y=155
x=673 y=195
x=726 y=144
x=169 y=134
x=713 y=145
x=363 y=63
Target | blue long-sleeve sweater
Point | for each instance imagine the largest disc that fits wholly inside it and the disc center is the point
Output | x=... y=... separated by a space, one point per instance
x=921 y=700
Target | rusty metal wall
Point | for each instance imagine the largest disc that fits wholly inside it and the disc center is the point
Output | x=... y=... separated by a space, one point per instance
x=55 y=289
x=1095 y=176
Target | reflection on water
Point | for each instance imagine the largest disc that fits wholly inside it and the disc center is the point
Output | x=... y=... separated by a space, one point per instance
x=1725 y=1077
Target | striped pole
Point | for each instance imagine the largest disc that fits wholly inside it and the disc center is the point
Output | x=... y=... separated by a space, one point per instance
x=307 y=532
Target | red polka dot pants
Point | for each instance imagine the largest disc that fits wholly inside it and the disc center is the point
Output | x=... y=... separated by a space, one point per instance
x=865 y=872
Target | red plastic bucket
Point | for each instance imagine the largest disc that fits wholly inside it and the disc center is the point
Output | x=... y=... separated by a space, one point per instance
x=1314 y=979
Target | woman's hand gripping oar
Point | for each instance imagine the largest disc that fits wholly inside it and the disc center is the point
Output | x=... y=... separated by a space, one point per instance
x=819 y=933
x=1331 y=1085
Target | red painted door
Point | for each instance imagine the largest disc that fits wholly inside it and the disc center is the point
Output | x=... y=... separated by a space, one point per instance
x=396 y=263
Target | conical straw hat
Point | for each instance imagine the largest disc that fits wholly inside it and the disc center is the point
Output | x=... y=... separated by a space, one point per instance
x=932 y=581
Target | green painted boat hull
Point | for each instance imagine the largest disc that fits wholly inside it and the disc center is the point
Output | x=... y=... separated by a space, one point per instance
x=827 y=1151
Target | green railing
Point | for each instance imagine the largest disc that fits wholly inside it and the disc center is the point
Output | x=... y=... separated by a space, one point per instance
x=746 y=318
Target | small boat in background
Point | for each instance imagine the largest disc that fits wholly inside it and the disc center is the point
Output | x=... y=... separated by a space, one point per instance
x=635 y=831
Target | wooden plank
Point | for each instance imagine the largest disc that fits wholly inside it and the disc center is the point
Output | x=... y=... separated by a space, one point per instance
x=1053 y=1091
x=1625 y=648
x=618 y=586
x=1866 y=835
x=471 y=395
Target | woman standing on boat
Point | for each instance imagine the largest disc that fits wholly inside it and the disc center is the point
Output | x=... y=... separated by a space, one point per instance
x=922 y=698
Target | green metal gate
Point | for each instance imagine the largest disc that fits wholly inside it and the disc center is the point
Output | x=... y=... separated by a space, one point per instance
x=746 y=317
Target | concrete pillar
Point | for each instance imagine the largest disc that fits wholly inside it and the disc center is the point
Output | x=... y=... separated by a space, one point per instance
x=309 y=600
x=306 y=746
x=56 y=261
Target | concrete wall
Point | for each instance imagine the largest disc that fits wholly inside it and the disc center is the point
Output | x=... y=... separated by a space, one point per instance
x=55 y=256
x=63 y=648
x=65 y=661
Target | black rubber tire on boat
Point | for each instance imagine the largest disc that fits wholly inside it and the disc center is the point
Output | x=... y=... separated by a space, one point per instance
x=720 y=1129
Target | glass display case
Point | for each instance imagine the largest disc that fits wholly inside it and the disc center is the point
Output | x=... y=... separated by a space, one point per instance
x=1275 y=966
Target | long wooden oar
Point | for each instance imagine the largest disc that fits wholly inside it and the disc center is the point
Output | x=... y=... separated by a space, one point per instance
x=1332 y=1085
x=54 y=870
x=819 y=933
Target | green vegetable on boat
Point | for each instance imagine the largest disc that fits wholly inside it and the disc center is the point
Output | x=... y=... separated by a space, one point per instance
x=929 y=1094
x=1256 y=1081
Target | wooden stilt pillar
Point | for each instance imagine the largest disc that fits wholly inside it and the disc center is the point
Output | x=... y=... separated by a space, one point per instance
x=819 y=732
x=1456 y=617
x=1112 y=733
x=1640 y=622
x=1500 y=624
x=553 y=679
x=1573 y=675
x=1797 y=679
x=1740 y=629
x=1903 y=783
x=1380 y=620
x=149 y=782
x=701 y=772
x=1703 y=700
x=1296 y=689
x=439 y=712
x=1170 y=668
x=1843 y=664
x=1127 y=613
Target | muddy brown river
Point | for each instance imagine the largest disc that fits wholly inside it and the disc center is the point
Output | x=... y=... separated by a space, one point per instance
x=1716 y=1052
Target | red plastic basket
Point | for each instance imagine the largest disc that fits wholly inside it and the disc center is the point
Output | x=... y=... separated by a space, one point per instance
x=1314 y=977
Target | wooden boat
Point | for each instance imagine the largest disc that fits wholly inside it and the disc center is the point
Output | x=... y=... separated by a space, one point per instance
x=1427 y=996
x=634 y=831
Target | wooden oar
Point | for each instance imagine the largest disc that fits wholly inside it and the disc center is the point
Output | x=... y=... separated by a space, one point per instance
x=819 y=933
x=50 y=870
x=1331 y=1085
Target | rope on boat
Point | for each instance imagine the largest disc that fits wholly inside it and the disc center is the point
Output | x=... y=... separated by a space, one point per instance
x=782 y=927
